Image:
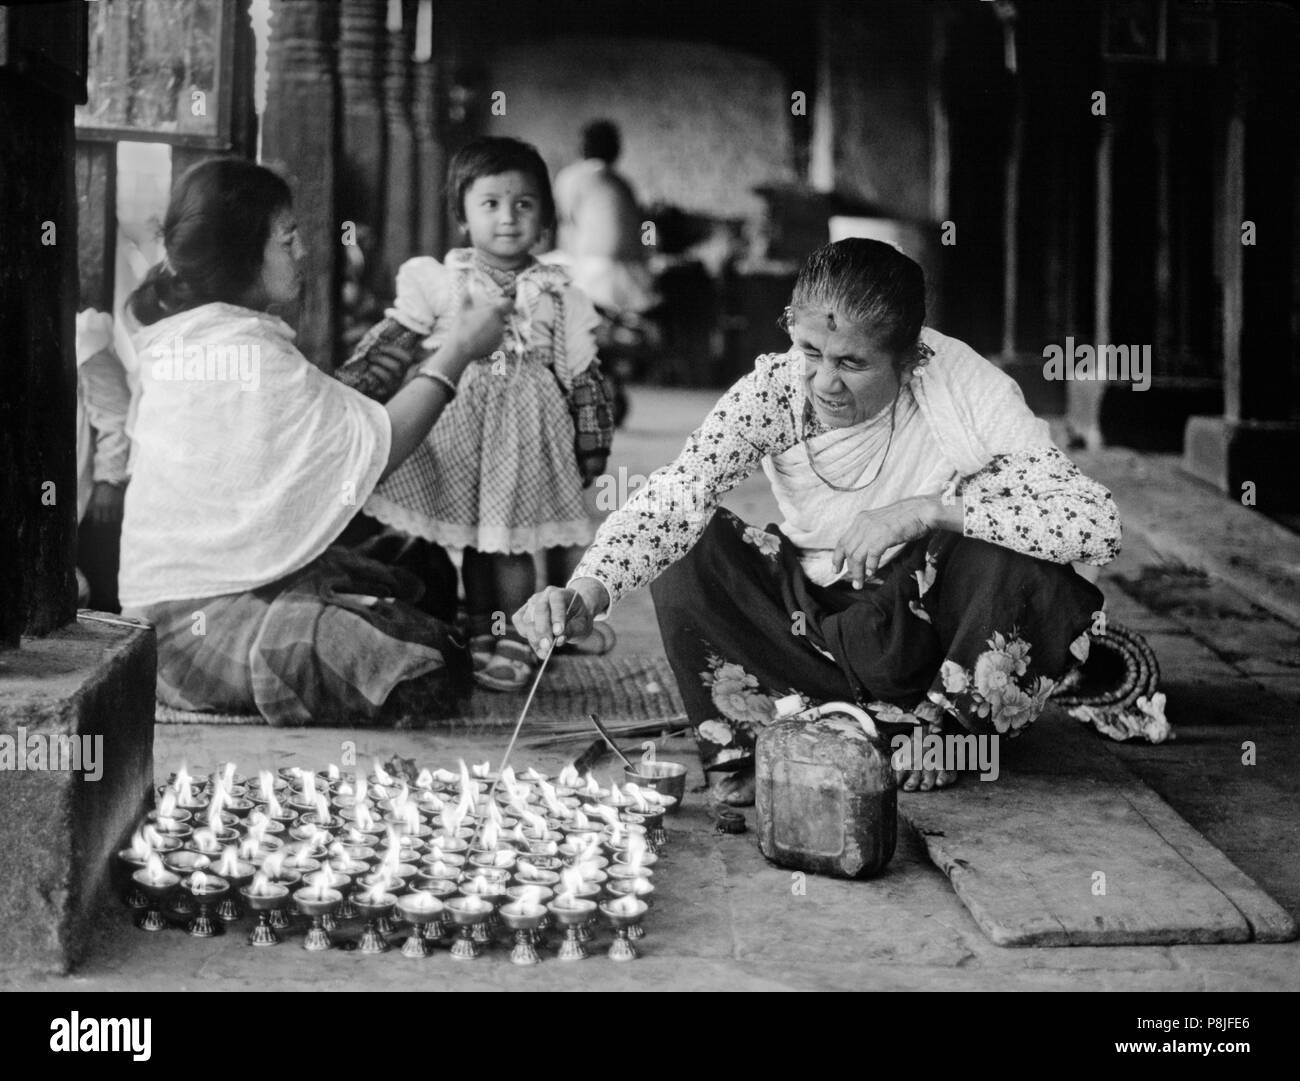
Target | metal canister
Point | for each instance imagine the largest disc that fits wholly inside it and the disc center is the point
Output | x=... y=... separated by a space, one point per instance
x=826 y=795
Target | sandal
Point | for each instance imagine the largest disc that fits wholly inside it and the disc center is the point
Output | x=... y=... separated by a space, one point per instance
x=511 y=667
x=481 y=649
x=600 y=641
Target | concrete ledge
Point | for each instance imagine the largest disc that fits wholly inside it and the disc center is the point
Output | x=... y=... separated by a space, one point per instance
x=1228 y=454
x=76 y=765
x=1187 y=522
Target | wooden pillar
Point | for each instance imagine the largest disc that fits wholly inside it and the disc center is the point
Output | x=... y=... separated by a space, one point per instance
x=1083 y=397
x=399 y=166
x=300 y=135
x=38 y=304
x=1256 y=441
x=1264 y=387
x=1011 y=196
x=1164 y=254
x=430 y=153
x=361 y=166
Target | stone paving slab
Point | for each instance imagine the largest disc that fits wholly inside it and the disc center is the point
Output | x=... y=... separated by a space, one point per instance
x=726 y=919
x=1190 y=523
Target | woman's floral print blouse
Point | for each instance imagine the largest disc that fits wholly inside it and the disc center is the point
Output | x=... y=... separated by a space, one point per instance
x=1035 y=502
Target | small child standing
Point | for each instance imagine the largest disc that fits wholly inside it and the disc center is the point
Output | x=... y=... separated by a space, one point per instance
x=501 y=474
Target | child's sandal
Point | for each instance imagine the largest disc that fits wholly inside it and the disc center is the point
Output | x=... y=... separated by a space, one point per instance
x=481 y=649
x=511 y=668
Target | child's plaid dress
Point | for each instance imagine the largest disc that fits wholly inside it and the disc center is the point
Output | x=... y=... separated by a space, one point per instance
x=498 y=471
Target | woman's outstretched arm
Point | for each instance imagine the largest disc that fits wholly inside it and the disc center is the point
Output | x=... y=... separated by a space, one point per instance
x=413 y=410
x=659 y=524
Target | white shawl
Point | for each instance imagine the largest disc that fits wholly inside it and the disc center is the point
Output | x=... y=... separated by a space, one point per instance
x=249 y=462
x=958 y=412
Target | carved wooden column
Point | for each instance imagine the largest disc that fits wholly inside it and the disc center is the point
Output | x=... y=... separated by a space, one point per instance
x=430 y=154
x=300 y=134
x=399 y=204
x=361 y=166
x=38 y=305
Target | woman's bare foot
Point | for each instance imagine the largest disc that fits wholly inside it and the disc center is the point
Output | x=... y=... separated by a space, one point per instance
x=909 y=779
x=924 y=780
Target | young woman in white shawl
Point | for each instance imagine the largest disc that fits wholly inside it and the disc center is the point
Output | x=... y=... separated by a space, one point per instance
x=923 y=564
x=250 y=463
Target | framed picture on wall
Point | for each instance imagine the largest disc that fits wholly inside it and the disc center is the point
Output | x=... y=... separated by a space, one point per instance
x=1134 y=30
x=160 y=71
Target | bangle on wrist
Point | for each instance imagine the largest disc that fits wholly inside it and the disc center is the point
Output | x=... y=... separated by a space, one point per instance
x=429 y=372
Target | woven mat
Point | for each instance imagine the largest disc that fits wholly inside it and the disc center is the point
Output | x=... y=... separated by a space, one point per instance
x=617 y=688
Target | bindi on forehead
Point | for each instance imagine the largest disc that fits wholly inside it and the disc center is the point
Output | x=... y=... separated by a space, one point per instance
x=816 y=318
x=504 y=184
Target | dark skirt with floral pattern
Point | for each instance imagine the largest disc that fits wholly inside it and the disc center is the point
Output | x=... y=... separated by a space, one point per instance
x=953 y=626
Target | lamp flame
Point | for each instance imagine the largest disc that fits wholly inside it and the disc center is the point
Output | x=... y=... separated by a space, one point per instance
x=482 y=769
x=198 y=881
x=624 y=906
x=183 y=778
x=424 y=779
x=154 y=866
x=273 y=807
x=394 y=842
x=140 y=847
x=569 y=776
x=381 y=775
x=636 y=850
x=261 y=885
x=167 y=804
x=152 y=837
x=571 y=882
x=364 y=819
x=229 y=864
x=273 y=864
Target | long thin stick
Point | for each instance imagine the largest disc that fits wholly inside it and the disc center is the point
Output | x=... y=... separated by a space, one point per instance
x=519 y=724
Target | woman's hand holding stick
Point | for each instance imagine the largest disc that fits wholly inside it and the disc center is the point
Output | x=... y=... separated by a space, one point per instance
x=543 y=619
